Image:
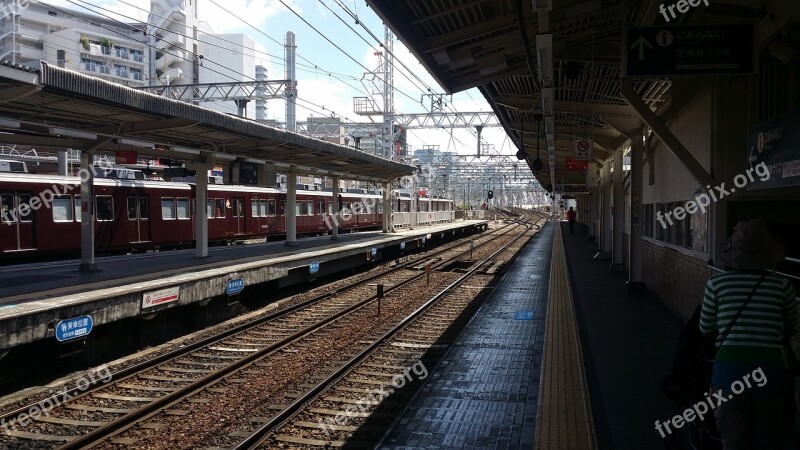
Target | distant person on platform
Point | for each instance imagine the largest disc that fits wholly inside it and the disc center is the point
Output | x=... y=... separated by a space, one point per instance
x=751 y=313
x=571 y=218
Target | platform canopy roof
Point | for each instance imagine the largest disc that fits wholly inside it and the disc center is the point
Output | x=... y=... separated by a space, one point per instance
x=57 y=107
x=500 y=47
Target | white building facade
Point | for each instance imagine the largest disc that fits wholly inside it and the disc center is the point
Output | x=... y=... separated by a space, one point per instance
x=83 y=42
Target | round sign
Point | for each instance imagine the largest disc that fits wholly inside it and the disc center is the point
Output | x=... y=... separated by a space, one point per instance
x=665 y=38
x=583 y=146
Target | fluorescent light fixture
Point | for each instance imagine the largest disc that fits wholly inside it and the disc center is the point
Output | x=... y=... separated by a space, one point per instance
x=190 y=151
x=256 y=161
x=8 y=123
x=544 y=49
x=224 y=156
x=134 y=143
x=547 y=96
x=73 y=133
x=539 y=5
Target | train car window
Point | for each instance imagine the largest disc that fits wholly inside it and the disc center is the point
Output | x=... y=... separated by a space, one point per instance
x=263 y=207
x=7 y=202
x=132 y=208
x=310 y=208
x=282 y=208
x=254 y=205
x=220 y=209
x=78 y=208
x=271 y=207
x=25 y=199
x=210 y=208
x=105 y=208
x=379 y=208
x=321 y=206
x=238 y=207
x=144 y=208
x=168 y=208
x=330 y=208
x=300 y=208
x=184 y=213
x=62 y=208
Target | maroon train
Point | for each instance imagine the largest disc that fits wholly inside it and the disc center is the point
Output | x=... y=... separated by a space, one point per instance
x=41 y=213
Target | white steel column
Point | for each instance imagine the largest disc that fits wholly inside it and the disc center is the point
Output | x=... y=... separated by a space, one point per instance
x=62 y=163
x=637 y=179
x=291 y=207
x=201 y=210
x=87 y=213
x=619 y=212
x=336 y=209
x=591 y=199
x=605 y=212
x=414 y=203
x=388 y=206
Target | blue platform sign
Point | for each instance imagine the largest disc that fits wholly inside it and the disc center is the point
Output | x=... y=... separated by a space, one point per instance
x=774 y=152
x=235 y=286
x=74 y=328
x=374 y=251
x=313 y=267
x=524 y=315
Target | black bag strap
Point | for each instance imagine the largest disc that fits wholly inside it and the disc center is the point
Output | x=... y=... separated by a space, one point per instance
x=739 y=313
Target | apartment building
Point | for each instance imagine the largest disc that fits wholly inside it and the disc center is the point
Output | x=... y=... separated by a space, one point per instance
x=84 y=42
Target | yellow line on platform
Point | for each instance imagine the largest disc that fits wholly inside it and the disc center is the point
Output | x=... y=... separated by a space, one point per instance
x=564 y=416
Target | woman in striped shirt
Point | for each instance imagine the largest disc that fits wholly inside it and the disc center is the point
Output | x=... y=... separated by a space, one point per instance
x=752 y=313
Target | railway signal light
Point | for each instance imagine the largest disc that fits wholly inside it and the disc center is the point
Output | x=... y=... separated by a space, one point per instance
x=490 y=195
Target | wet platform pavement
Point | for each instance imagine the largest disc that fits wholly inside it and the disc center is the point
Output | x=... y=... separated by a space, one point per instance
x=485 y=392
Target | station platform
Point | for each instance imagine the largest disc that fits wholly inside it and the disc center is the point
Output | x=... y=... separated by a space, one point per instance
x=582 y=372
x=35 y=297
x=484 y=393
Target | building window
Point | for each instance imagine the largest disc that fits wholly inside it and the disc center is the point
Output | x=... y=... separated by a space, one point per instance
x=647 y=220
x=660 y=230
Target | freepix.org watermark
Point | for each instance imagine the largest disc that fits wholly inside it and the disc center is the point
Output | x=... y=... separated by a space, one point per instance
x=703 y=407
x=715 y=194
x=99 y=374
x=365 y=206
x=374 y=397
x=45 y=198
x=13 y=7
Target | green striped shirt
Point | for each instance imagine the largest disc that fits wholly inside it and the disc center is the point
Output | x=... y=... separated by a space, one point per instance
x=770 y=316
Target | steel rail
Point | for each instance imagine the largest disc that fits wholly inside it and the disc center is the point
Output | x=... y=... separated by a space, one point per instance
x=121 y=424
x=257 y=437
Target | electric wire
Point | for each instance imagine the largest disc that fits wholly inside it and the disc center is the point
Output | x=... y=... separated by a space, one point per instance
x=179 y=56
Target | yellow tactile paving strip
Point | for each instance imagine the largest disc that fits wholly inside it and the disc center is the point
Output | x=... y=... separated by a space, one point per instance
x=564 y=416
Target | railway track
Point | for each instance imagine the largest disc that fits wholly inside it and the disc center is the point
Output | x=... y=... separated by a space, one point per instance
x=352 y=406
x=179 y=377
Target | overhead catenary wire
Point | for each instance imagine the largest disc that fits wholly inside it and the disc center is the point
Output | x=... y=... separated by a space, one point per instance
x=227 y=75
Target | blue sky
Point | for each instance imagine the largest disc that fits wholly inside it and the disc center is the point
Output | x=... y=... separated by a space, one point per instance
x=335 y=93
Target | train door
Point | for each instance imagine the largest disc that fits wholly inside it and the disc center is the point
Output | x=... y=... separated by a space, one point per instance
x=16 y=231
x=238 y=214
x=138 y=218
